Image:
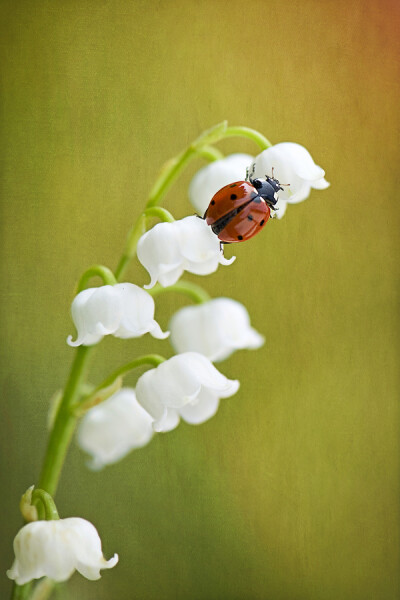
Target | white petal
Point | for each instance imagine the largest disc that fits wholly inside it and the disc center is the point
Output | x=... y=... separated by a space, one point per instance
x=168 y=275
x=158 y=251
x=214 y=176
x=137 y=313
x=320 y=184
x=205 y=408
x=111 y=430
x=168 y=422
x=197 y=242
x=300 y=160
x=96 y=312
x=86 y=544
x=201 y=369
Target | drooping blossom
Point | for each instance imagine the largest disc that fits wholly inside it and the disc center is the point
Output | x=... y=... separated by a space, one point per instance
x=169 y=249
x=215 y=328
x=109 y=431
x=55 y=549
x=188 y=386
x=291 y=164
x=123 y=310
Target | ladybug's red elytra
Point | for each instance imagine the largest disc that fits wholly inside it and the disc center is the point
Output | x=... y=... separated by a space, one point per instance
x=239 y=210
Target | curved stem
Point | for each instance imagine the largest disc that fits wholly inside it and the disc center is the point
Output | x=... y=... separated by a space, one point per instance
x=134 y=235
x=96 y=271
x=210 y=153
x=46 y=501
x=192 y=290
x=64 y=423
x=162 y=213
x=148 y=359
x=251 y=134
x=169 y=173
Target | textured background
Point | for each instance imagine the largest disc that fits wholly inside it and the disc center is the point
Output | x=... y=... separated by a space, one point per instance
x=291 y=491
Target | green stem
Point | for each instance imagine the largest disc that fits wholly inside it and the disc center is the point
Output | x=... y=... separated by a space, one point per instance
x=47 y=503
x=169 y=173
x=251 y=134
x=97 y=270
x=192 y=290
x=134 y=235
x=210 y=153
x=64 y=423
x=162 y=213
x=43 y=589
x=148 y=359
x=21 y=592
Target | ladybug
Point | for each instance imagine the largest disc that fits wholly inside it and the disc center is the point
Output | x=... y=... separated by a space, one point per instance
x=239 y=210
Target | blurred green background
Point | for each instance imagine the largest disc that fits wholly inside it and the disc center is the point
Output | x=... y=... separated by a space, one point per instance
x=292 y=491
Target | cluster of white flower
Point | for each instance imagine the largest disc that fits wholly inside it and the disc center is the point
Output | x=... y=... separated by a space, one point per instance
x=187 y=386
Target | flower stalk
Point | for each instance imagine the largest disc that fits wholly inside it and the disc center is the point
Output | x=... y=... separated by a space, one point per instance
x=73 y=403
x=64 y=424
x=192 y=290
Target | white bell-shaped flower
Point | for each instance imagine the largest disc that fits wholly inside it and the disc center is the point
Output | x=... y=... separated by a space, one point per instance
x=216 y=175
x=123 y=310
x=56 y=549
x=189 y=244
x=294 y=165
x=188 y=386
x=109 y=431
x=215 y=328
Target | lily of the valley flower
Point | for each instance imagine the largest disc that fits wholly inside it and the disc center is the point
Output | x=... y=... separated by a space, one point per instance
x=56 y=549
x=169 y=249
x=123 y=310
x=293 y=165
x=187 y=386
x=215 y=328
x=214 y=176
x=109 y=431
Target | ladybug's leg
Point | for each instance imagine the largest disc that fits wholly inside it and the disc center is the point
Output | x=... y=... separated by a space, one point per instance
x=222 y=244
x=249 y=176
x=200 y=217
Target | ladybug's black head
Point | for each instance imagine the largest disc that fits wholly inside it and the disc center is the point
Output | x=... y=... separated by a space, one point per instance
x=275 y=183
x=267 y=189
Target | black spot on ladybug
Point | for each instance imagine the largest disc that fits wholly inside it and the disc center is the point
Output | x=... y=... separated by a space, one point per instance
x=240 y=237
x=262 y=223
x=233 y=185
x=250 y=218
x=213 y=202
x=233 y=196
